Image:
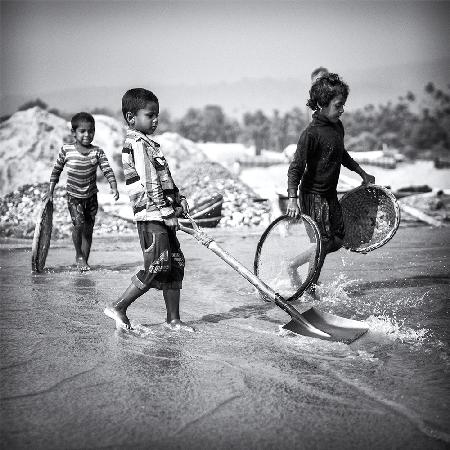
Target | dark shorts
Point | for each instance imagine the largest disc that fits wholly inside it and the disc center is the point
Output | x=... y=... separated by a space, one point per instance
x=82 y=210
x=163 y=258
x=327 y=213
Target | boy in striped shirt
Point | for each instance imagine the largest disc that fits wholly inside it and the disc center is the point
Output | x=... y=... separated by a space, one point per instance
x=81 y=160
x=156 y=203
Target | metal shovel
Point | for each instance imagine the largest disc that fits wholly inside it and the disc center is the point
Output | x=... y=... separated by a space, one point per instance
x=311 y=323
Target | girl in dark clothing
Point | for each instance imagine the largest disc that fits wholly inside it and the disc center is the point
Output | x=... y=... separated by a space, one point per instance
x=316 y=166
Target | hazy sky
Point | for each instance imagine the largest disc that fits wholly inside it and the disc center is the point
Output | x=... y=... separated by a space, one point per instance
x=52 y=45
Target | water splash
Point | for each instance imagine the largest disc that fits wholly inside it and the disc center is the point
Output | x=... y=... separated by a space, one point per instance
x=322 y=350
x=382 y=313
x=140 y=330
x=335 y=291
x=346 y=258
x=397 y=330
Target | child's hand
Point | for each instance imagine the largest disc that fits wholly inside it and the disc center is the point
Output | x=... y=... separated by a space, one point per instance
x=115 y=193
x=179 y=211
x=48 y=196
x=185 y=206
x=292 y=208
x=172 y=222
x=367 y=178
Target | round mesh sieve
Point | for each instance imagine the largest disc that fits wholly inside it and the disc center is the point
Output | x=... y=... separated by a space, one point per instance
x=287 y=255
x=42 y=235
x=371 y=217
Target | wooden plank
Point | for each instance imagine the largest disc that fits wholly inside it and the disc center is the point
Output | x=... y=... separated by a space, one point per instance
x=420 y=215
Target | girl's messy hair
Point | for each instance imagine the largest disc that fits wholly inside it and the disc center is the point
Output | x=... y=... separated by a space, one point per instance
x=325 y=89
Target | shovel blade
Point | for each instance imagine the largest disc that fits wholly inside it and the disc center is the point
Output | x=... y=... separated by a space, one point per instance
x=330 y=327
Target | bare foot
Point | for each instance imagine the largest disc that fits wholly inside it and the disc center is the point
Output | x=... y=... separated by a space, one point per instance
x=119 y=316
x=82 y=265
x=178 y=325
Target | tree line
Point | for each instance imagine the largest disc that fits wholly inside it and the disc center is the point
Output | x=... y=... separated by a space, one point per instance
x=210 y=124
x=415 y=128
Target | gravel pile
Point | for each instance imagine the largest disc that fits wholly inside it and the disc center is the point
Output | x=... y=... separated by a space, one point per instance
x=20 y=209
x=241 y=206
x=36 y=150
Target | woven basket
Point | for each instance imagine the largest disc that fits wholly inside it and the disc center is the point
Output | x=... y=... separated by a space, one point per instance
x=42 y=235
x=371 y=217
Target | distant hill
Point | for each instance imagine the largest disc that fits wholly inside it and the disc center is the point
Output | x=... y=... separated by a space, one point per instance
x=366 y=86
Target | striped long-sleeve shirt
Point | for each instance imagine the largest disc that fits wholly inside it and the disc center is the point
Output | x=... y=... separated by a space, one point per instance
x=152 y=191
x=82 y=170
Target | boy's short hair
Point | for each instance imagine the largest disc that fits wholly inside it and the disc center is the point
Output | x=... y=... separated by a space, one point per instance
x=325 y=89
x=317 y=71
x=80 y=118
x=136 y=99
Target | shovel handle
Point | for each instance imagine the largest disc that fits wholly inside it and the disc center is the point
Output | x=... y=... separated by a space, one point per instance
x=195 y=227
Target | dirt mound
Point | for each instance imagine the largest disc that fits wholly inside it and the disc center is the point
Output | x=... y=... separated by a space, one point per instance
x=31 y=141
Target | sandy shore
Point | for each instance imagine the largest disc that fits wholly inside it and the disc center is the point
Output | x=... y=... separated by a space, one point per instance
x=70 y=380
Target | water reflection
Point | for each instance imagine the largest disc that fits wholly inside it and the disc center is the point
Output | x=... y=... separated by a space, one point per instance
x=238 y=312
x=83 y=281
x=152 y=350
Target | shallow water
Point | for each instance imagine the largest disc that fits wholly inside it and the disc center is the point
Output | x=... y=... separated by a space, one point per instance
x=70 y=380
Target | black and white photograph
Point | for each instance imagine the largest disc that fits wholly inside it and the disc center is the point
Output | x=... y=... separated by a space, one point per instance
x=224 y=224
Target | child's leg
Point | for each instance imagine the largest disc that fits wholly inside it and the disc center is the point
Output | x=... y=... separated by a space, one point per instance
x=77 y=213
x=143 y=280
x=329 y=246
x=298 y=261
x=312 y=289
x=316 y=207
x=172 y=281
x=77 y=238
x=86 y=243
x=117 y=310
x=91 y=208
x=332 y=231
x=172 y=300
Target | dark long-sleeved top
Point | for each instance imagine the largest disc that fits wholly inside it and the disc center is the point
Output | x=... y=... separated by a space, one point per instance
x=317 y=161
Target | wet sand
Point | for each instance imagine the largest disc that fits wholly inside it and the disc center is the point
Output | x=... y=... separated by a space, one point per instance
x=70 y=380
